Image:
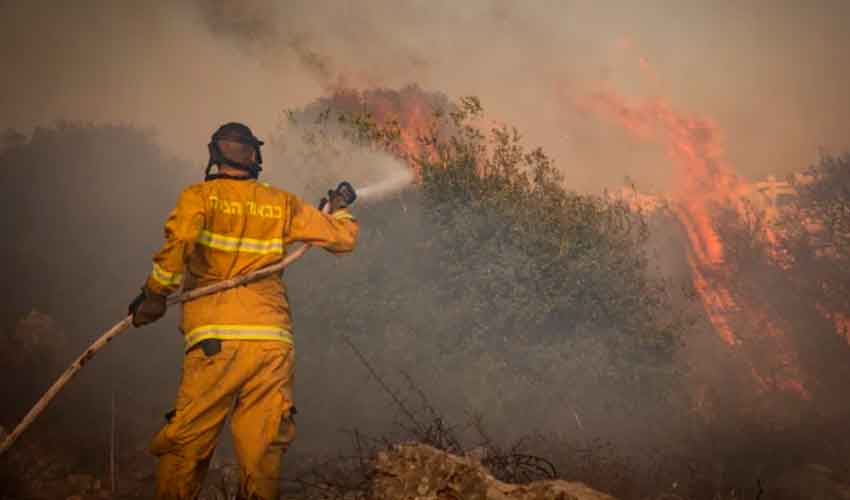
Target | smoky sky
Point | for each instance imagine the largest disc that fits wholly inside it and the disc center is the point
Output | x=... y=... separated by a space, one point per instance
x=772 y=74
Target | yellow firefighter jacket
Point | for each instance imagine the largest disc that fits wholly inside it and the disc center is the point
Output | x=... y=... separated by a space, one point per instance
x=228 y=227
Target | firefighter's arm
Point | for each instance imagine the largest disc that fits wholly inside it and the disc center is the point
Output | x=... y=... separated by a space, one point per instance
x=182 y=229
x=335 y=232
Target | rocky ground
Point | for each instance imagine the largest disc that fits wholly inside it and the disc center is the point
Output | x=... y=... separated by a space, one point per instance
x=419 y=472
x=403 y=472
x=411 y=471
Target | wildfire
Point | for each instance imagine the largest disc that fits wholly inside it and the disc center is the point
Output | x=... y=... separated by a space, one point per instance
x=409 y=113
x=412 y=114
x=705 y=182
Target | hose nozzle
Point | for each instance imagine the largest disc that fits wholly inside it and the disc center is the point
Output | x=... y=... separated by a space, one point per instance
x=341 y=197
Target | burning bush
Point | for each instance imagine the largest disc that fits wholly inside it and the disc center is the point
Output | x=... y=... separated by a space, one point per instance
x=500 y=290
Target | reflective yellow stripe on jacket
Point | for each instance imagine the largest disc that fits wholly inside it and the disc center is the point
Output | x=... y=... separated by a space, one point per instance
x=238 y=332
x=342 y=215
x=164 y=277
x=248 y=245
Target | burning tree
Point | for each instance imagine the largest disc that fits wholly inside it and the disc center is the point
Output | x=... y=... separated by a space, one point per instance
x=520 y=299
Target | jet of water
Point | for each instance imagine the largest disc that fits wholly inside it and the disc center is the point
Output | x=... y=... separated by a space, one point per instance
x=394 y=180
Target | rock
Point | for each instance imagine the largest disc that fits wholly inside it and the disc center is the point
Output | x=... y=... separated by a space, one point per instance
x=420 y=472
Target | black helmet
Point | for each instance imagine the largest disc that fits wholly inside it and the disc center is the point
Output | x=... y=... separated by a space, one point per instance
x=235 y=132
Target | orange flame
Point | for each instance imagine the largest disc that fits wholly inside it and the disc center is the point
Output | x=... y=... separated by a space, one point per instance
x=705 y=182
x=409 y=112
x=413 y=114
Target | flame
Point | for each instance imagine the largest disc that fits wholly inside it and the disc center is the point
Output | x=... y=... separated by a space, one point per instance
x=706 y=182
x=412 y=112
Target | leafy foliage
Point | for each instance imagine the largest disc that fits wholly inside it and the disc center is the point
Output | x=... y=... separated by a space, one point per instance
x=530 y=250
x=519 y=298
x=817 y=230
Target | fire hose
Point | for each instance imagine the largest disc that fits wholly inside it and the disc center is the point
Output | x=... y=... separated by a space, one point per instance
x=124 y=325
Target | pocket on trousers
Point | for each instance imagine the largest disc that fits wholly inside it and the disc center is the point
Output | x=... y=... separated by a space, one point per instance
x=201 y=372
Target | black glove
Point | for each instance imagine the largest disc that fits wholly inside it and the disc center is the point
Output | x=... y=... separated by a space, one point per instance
x=343 y=196
x=147 y=307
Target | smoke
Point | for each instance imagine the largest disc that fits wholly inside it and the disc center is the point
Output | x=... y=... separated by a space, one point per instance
x=767 y=72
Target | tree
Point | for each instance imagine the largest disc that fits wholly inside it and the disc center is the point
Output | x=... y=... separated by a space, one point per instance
x=818 y=227
x=518 y=297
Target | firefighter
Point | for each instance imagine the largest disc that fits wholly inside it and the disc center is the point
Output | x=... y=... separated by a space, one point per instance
x=239 y=349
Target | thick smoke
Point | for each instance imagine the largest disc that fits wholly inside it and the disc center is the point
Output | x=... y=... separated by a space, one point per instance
x=767 y=71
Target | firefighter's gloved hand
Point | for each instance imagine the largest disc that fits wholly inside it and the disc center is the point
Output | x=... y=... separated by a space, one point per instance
x=147 y=307
x=323 y=203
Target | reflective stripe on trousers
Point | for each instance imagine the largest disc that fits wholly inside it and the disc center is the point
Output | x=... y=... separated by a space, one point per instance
x=238 y=332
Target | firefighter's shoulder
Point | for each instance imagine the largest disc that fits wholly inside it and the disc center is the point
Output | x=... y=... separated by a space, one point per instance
x=192 y=193
x=278 y=192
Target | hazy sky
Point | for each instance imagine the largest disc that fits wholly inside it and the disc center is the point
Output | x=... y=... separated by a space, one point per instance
x=773 y=74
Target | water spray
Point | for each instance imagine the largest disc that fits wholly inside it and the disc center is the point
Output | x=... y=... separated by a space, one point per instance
x=377 y=176
x=387 y=187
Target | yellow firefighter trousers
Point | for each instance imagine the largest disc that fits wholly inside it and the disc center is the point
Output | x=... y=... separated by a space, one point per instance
x=255 y=378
